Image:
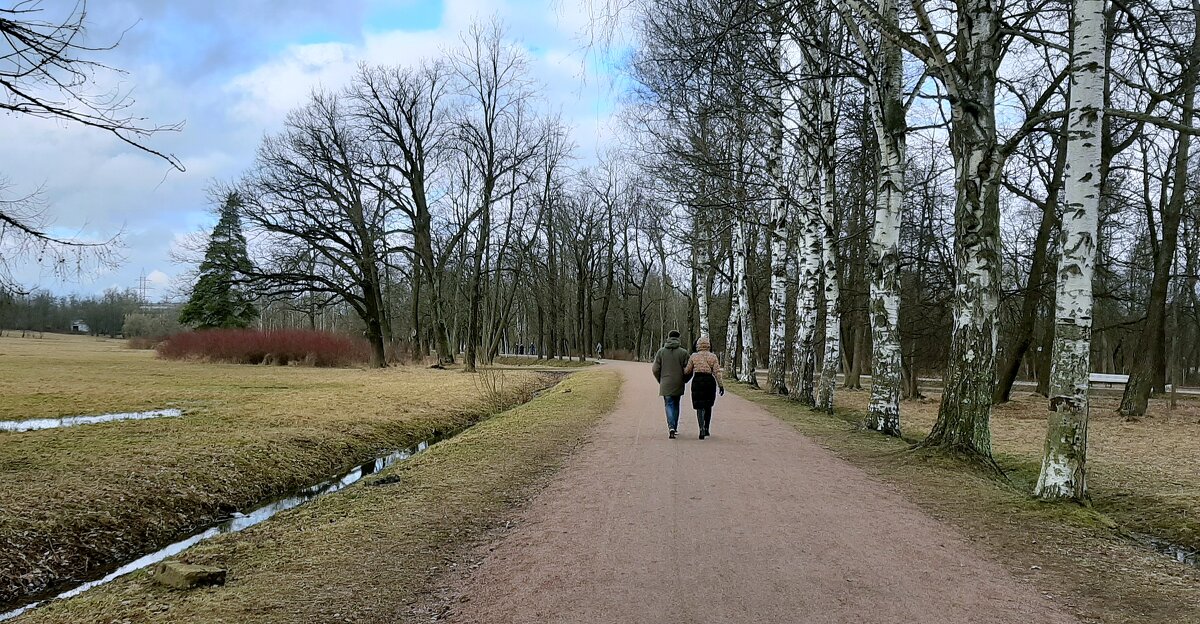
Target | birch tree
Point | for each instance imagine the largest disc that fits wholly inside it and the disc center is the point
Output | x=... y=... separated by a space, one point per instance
x=829 y=228
x=741 y=242
x=1063 y=472
x=705 y=279
x=884 y=78
x=967 y=71
x=808 y=251
x=780 y=222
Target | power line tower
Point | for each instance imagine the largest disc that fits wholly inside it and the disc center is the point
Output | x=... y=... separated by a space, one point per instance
x=142 y=281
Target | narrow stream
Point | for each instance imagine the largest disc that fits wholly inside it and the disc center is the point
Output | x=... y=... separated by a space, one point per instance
x=72 y=421
x=239 y=522
x=1181 y=554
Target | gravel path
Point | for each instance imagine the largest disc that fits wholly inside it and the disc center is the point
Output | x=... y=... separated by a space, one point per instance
x=755 y=524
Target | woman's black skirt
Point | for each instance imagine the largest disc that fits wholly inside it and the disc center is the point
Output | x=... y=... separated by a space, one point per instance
x=704 y=391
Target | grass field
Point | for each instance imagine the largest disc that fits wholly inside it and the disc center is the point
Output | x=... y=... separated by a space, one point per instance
x=79 y=498
x=1144 y=474
x=1143 y=479
x=378 y=551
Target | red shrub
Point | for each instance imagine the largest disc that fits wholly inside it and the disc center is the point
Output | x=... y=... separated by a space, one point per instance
x=248 y=346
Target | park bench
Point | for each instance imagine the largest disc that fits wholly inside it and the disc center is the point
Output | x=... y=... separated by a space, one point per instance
x=1111 y=378
x=1108 y=378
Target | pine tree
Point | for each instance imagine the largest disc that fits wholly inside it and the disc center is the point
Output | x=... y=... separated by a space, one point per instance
x=216 y=302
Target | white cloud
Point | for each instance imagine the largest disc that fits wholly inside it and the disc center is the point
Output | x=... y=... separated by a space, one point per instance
x=158 y=278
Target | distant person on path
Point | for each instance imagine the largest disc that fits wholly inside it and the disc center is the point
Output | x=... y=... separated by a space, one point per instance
x=599 y=351
x=669 y=363
x=705 y=372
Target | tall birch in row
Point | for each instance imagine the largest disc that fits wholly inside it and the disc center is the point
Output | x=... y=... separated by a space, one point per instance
x=742 y=241
x=808 y=251
x=704 y=267
x=829 y=228
x=780 y=222
x=884 y=77
x=1063 y=473
x=734 y=324
x=968 y=73
x=964 y=418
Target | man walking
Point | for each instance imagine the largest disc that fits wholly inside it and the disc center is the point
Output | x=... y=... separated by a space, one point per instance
x=669 y=363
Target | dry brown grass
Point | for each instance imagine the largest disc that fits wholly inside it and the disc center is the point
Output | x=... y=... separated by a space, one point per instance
x=1145 y=474
x=76 y=499
x=1083 y=557
x=375 y=552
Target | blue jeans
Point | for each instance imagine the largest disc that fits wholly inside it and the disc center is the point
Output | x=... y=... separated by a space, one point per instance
x=672 y=403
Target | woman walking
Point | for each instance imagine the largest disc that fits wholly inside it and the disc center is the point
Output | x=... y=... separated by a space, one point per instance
x=705 y=371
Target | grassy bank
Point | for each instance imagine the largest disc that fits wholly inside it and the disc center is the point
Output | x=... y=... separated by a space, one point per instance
x=76 y=499
x=374 y=552
x=515 y=360
x=1084 y=557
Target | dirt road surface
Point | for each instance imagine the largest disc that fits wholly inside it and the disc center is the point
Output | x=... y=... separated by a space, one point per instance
x=755 y=524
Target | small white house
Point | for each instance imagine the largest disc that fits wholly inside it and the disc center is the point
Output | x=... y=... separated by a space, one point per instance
x=79 y=327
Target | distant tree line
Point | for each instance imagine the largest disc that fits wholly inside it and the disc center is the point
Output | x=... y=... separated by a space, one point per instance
x=113 y=313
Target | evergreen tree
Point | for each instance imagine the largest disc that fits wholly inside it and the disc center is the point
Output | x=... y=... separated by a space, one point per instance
x=216 y=302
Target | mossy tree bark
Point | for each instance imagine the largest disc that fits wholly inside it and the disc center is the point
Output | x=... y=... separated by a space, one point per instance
x=1063 y=473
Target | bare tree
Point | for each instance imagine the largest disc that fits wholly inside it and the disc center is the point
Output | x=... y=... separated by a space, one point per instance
x=406 y=113
x=498 y=141
x=315 y=222
x=46 y=72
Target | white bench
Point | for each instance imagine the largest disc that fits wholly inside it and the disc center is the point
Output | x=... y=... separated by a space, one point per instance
x=1108 y=378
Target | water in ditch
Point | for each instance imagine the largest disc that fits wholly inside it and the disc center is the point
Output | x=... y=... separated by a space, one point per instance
x=239 y=522
x=37 y=424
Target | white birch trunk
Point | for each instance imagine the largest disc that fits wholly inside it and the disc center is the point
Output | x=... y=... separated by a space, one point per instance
x=704 y=262
x=884 y=308
x=776 y=366
x=808 y=252
x=733 y=325
x=1063 y=474
x=964 y=418
x=829 y=234
x=746 y=373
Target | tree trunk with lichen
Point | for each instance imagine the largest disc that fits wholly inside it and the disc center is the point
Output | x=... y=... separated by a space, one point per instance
x=883 y=412
x=964 y=418
x=746 y=370
x=808 y=253
x=778 y=234
x=832 y=360
x=1064 y=466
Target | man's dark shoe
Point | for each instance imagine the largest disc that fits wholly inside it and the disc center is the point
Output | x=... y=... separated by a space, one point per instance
x=671 y=434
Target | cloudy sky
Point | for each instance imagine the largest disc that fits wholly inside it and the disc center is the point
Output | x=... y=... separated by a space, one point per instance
x=230 y=70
